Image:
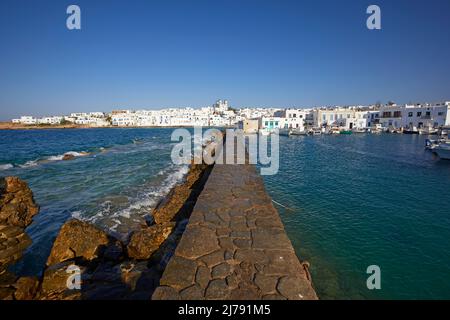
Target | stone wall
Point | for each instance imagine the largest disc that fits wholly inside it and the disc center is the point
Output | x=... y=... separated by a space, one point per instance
x=235 y=245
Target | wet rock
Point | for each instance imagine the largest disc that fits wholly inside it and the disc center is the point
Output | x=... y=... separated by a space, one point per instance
x=176 y=202
x=68 y=157
x=17 y=206
x=145 y=242
x=78 y=239
x=7 y=293
x=55 y=283
x=13 y=241
x=26 y=288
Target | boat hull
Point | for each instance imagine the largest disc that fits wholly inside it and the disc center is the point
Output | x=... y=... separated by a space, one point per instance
x=443 y=152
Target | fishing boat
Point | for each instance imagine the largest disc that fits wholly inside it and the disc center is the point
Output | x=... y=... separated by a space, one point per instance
x=411 y=130
x=296 y=132
x=359 y=130
x=432 y=144
x=315 y=132
x=345 y=132
x=334 y=131
x=428 y=131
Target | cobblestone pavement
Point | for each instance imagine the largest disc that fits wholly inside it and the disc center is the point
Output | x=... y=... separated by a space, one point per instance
x=234 y=246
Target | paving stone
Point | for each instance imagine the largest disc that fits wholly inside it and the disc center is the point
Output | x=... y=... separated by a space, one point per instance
x=166 y=293
x=269 y=238
x=196 y=242
x=192 y=293
x=214 y=258
x=221 y=271
x=242 y=243
x=295 y=289
x=267 y=284
x=179 y=273
x=217 y=289
x=203 y=276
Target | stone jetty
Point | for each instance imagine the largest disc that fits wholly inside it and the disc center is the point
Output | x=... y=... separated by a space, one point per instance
x=235 y=246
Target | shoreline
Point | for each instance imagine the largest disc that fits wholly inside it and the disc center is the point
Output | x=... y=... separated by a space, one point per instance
x=9 y=126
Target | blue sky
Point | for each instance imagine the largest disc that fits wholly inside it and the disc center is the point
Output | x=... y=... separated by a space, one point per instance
x=152 y=54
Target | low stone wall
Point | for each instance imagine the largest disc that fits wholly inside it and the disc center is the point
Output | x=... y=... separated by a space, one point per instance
x=235 y=245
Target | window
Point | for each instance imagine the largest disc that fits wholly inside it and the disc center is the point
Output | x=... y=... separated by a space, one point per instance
x=386 y=114
x=397 y=114
x=410 y=114
x=276 y=123
x=428 y=113
x=440 y=113
x=419 y=114
x=324 y=117
x=266 y=123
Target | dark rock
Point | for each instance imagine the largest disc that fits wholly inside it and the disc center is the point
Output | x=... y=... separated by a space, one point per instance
x=54 y=283
x=146 y=241
x=78 y=239
x=7 y=293
x=26 y=288
x=68 y=157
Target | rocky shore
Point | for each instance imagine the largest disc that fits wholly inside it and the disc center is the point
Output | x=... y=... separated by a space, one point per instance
x=108 y=267
x=17 y=208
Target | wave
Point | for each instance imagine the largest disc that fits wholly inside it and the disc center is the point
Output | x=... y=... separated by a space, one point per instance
x=60 y=157
x=137 y=207
x=6 y=166
x=29 y=164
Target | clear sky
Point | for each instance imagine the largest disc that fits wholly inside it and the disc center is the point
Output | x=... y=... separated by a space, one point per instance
x=153 y=54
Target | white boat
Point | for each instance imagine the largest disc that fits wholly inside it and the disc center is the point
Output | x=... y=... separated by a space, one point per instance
x=443 y=151
x=359 y=130
x=428 y=131
x=264 y=132
x=297 y=132
x=315 y=131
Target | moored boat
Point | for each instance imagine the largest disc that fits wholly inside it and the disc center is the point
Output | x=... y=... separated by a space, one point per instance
x=443 y=151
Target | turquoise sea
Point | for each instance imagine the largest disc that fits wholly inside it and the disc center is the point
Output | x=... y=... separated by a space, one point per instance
x=360 y=200
x=354 y=200
x=123 y=176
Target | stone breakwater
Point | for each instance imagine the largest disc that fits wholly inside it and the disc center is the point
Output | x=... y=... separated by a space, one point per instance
x=235 y=246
